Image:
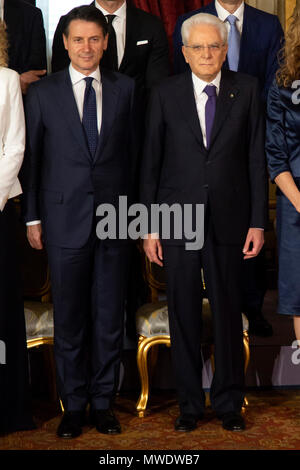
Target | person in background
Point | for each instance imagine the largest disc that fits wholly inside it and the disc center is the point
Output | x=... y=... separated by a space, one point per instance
x=15 y=411
x=283 y=153
x=26 y=39
x=253 y=44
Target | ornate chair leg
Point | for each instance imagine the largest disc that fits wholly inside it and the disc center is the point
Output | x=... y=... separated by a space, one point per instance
x=247 y=359
x=143 y=347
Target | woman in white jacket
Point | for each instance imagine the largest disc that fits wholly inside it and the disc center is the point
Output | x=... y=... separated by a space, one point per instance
x=14 y=397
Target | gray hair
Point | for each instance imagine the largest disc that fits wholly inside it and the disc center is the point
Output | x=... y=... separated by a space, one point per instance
x=203 y=18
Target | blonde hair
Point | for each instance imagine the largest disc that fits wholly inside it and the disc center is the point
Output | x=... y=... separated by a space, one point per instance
x=289 y=56
x=3 y=45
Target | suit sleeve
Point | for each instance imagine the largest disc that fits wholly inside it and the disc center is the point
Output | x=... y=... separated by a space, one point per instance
x=60 y=58
x=38 y=55
x=257 y=161
x=31 y=170
x=152 y=153
x=13 y=139
x=276 y=36
x=158 y=62
x=179 y=65
x=276 y=145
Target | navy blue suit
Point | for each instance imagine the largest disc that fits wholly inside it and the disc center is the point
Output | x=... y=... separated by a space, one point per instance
x=283 y=152
x=260 y=43
x=63 y=185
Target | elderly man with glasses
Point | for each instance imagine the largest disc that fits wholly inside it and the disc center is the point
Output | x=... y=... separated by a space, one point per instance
x=205 y=145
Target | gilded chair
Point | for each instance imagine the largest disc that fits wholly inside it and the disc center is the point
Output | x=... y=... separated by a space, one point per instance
x=152 y=326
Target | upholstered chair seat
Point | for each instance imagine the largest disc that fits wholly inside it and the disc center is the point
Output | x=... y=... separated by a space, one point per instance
x=152 y=325
x=39 y=323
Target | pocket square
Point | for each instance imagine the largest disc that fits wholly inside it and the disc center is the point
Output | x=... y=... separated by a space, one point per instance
x=140 y=43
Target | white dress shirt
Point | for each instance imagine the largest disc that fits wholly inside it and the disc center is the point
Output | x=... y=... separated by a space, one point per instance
x=201 y=99
x=79 y=84
x=119 y=24
x=239 y=13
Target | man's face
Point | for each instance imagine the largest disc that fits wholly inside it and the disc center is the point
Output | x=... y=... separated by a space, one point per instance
x=85 y=44
x=206 y=61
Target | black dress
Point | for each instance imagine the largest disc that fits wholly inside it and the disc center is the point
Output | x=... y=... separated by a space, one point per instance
x=15 y=411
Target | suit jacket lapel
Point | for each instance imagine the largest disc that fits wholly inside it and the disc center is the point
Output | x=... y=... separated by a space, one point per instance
x=110 y=95
x=227 y=96
x=69 y=109
x=187 y=103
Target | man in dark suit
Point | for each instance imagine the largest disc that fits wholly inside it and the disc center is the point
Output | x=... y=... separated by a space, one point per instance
x=140 y=48
x=137 y=47
x=254 y=41
x=81 y=149
x=27 y=41
x=205 y=145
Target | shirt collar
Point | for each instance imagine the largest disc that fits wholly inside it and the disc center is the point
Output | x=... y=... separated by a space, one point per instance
x=223 y=14
x=120 y=12
x=78 y=76
x=199 y=84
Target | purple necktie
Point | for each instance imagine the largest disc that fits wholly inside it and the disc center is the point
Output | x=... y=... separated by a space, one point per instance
x=210 y=110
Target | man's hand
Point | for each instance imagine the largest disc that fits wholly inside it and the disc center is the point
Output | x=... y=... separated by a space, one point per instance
x=34 y=235
x=153 y=250
x=29 y=77
x=254 y=243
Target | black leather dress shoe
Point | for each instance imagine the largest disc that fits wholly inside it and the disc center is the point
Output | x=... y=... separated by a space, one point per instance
x=233 y=422
x=105 y=421
x=259 y=326
x=186 y=423
x=71 y=424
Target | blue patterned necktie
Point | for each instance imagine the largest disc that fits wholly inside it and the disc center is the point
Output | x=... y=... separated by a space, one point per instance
x=89 y=117
x=210 y=111
x=234 y=41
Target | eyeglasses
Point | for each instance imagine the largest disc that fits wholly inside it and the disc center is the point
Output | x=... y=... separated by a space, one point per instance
x=213 y=48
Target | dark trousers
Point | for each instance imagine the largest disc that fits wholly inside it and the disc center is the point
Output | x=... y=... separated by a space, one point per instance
x=254 y=284
x=222 y=271
x=88 y=286
x=15 y=413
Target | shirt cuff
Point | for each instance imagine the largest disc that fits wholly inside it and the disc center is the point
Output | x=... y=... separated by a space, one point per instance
x=33 y=222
